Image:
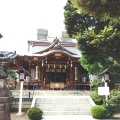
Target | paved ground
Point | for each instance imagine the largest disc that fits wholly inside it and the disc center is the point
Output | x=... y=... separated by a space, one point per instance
x=14 y=116
x=56 y=117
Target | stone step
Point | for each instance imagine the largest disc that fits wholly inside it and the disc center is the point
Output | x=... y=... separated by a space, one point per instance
x=59 y=98
x=23 y=102
x=23 y=106
x=65 y=113
x=63 y=105
x=62 y=101
x=64 y=108
x=26 y=103
x=50 y=92
x=55 y=102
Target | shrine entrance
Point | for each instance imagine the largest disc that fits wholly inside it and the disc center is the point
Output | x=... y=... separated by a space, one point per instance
x=55 y=78
x=55 y=75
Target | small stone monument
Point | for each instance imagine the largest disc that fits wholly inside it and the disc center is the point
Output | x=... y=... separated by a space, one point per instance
x=4 y=91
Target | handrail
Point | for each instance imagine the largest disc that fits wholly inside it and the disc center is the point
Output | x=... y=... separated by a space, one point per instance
x=33 y=101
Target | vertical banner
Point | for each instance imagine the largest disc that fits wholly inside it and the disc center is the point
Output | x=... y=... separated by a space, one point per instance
x=36 y=77
x=76 y=73
x=33 y=74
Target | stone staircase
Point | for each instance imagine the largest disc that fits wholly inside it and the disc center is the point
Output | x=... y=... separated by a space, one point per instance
x=14 y=104
x=31 y=93
x=63 y=102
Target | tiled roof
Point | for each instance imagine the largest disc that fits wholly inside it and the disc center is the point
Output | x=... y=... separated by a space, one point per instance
x=41 y=45
x=7 y=54
x=50 y=52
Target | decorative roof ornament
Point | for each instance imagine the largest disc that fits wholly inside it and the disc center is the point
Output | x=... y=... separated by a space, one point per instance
x=56 y=39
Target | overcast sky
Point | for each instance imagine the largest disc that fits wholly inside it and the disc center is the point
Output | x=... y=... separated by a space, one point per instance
x=20 y=19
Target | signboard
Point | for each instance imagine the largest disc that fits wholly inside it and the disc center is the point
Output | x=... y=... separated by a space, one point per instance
x=103 y=90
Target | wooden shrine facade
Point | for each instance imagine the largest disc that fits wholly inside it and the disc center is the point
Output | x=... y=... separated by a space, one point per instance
x=54 y=65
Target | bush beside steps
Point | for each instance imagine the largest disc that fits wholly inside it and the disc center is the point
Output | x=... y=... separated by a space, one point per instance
x=35 y=113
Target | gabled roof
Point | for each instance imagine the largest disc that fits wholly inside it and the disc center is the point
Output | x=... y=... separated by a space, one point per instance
x=51 y=52
x=56 y=45
x=47 y=47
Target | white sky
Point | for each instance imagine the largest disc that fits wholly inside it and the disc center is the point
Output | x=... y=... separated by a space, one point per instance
x=20 y=19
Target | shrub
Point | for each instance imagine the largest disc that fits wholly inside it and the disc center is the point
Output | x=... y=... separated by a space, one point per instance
x=35 y=113
x=95 y=84
x=96 y=98
x=109 y=111
x=113 y=105
x=98 y=112
x=114 y=92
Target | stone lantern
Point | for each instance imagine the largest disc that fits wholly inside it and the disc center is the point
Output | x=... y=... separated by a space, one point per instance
x=21 y=74
x=105 y=76
x=4 y=91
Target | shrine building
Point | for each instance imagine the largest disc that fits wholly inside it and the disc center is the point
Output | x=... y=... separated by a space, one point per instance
x=51 y=65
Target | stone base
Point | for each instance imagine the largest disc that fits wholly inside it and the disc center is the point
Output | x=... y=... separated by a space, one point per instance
x=3 y=83
x=4 y=108
x=4 y=93
x=20 y=113
x=2 y=115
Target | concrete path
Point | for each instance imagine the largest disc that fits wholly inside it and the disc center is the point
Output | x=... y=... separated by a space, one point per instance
x=14 y=116
x=68 y=117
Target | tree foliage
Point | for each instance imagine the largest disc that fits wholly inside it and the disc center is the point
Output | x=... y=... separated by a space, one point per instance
x=98 y=40
x=95 y=37
x=12 y=73
x=103 y=43
x=76 y=22
x=99 y=8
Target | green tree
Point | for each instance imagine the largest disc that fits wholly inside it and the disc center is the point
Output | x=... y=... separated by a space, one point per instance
x=77 y=25
x=104 y=43
x=77 y=22
x=99 y=8
x=13 y=74
x=98 y=40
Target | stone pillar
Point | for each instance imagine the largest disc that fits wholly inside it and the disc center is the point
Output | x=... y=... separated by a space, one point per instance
x=4 y=93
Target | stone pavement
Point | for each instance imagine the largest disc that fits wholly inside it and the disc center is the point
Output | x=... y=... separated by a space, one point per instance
x=14 y=116
x=68 y=117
